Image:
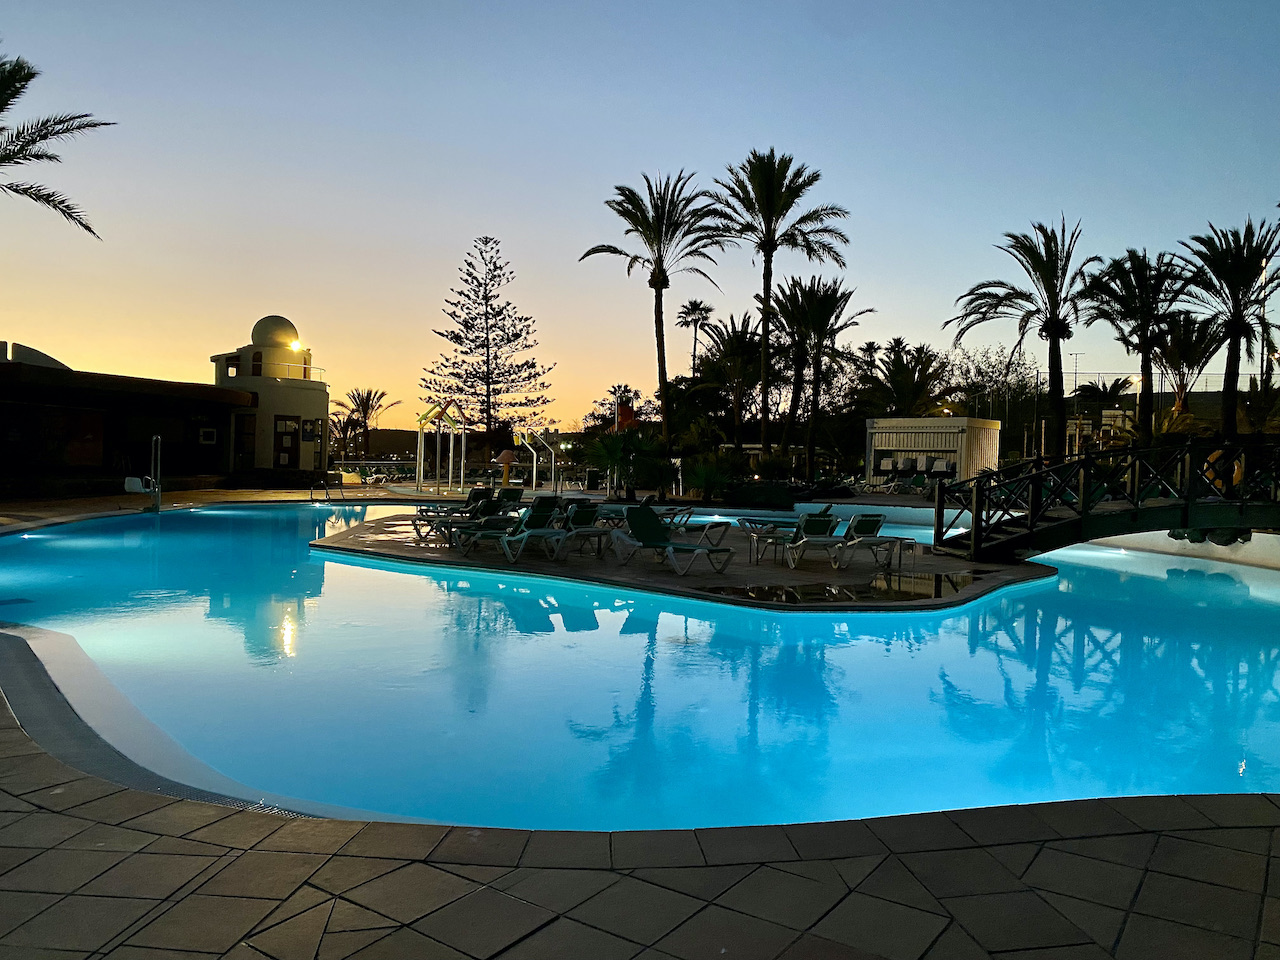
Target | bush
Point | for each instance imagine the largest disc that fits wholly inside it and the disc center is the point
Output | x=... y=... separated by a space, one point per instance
x=763 y=495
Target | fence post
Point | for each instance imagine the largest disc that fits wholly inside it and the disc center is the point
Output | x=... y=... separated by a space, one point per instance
x=975 y=528
x=939 y=513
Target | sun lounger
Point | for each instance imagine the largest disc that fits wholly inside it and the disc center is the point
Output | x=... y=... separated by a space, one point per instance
x=536 y=516
x=860 y=526
x=646 y=532
x=580 y=530
x=807 y=525
x=882 y=549
x=537 y=524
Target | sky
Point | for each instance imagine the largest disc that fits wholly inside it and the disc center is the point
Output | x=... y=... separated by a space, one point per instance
x=332 y=162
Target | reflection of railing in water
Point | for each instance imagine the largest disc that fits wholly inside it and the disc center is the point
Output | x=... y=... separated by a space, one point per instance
x=1040 y=505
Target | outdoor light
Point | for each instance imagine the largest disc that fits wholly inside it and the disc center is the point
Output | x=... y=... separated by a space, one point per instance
x=295 y=346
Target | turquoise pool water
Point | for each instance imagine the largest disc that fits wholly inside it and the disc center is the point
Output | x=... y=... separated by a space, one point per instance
x=498 y=699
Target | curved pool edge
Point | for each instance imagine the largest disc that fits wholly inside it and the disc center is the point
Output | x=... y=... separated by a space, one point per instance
x=923 y=885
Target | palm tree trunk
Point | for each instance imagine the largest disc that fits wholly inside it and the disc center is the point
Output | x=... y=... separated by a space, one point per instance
x=1231 y=381
x=737 y=421
x=1146 y=400
x=660 y=336
x=810 y=445
x=797 y=388
x=1057 y=440
x=766 y=309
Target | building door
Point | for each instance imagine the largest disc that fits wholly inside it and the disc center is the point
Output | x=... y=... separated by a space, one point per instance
x=285 y=453
x=246 y=430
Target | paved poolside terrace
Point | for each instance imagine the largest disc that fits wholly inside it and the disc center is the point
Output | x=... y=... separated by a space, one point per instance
x=93 y=867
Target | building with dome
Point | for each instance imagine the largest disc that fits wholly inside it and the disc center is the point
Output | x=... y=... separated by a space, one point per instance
x=286 y=428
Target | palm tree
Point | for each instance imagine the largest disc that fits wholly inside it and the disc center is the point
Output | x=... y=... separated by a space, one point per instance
x=1184 y=348
x=674 y=224
x=343 y=429
x=365 y=406
x=905 y=381
x=758 y=203
x=29 y=142
x=694 y=314
x=1138 y=296
x=1231 y=281
x=730 y=361
x=813 y=315
x=1050 y=306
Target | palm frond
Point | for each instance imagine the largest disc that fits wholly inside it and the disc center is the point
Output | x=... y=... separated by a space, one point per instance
x=55 y=201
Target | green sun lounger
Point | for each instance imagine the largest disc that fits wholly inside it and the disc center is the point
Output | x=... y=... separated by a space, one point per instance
x=645 y=531
x=860 y=527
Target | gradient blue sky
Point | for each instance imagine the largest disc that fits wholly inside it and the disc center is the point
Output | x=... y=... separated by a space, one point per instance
x=332 y=162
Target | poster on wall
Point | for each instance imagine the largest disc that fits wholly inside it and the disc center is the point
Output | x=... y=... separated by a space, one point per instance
x=309 y=430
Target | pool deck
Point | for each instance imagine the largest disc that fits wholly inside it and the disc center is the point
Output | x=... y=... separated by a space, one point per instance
x=93 y=869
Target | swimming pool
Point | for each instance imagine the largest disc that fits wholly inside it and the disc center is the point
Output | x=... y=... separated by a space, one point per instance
x=504 y=700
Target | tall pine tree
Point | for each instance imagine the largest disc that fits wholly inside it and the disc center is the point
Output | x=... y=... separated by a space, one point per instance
x=488 y=371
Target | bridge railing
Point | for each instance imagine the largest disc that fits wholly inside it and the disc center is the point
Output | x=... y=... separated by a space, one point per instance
x=1033 y=493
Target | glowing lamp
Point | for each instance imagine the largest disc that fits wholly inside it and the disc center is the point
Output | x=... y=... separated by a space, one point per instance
x=295 y=346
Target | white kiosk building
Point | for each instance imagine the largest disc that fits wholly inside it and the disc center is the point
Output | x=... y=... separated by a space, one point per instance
x=287 y=430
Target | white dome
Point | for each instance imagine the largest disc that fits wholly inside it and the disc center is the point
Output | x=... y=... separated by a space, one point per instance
x=274 y=331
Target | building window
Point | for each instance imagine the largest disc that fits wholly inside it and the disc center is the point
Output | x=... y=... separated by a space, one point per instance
x=233 y=366
x=208 y=435
x=256 y=370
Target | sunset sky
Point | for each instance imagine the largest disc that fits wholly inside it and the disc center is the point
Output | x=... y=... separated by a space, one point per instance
x=332 y=162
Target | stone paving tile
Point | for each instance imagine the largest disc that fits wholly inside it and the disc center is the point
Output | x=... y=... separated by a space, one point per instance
x=406 y=944
x=1148 y=938
x=954 y=873
x=10 y=857
x=1084 y=818
x=1237 y=809
x=71 y=794
x=719 y=934
x=560 y=890
x=151 y=875
x=1159 y=813
x=78 y=923
x=310 y=836
x=59 y=871
x=856 y=869
x=705 y=883
x=241 y=830
x=881 y=928
x=342 y=873
x=655 y=848
x=1080 y=951
x=411 y=892
x=1014 y=921
x=408 y=841
x=1246 y=840
x=21 y=775
x=1101 y=923
x=567 y=848
x=989 y=825
x=337 y=945
x=179 y=818
x=921 y=831
x=891 y=880
x=481 y=874
x=1270 y=930
x=119 y=807
x=833 y=839
x=11 y=804
x=955 y=944
x=1203 y=905
x=725 y=845
x=300 y=901
x=565 y=938
x=824 y=871
x=127 y=952
x=268 y=874
x=487 y=847
x=1198 y=861
x=809 y=947
x=17 y=908
x=186 y=847
x=484 y=922
x=42 y=830
x=104 y=836
x=1132 y=851
x=297 y=938
x=209 y=924
x=782 y=898
x=636 y=910
x=348 y=916
x=1098 y=881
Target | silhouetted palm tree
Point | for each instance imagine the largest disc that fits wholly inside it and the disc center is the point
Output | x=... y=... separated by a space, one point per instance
x=813 y=314
x=1231 y=282
x=758 y=203
x=1184 y=348
x=694 y=314
x=365 y=406
x=28 y=142
x=905 y=381
x=674 y=223
x=1050 y=305
x=731 y=360
x=1138 y=296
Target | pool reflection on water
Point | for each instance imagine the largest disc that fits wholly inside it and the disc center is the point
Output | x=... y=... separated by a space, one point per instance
x=498 y=699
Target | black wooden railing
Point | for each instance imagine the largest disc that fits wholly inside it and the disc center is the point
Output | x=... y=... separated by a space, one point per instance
x=1038 y=505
